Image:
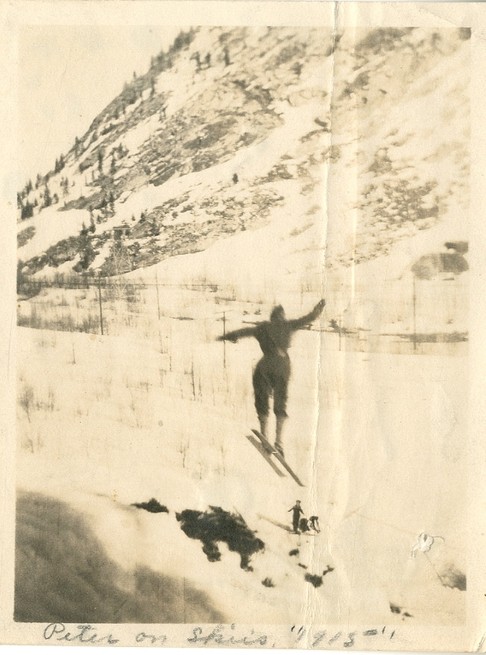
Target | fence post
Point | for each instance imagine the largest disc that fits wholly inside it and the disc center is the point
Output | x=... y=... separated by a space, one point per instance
x=101 y=304
x=224 y=340
x=414 y=304
x=158 y=299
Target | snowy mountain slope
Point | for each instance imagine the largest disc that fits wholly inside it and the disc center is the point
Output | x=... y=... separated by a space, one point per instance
x=187 y=139
x=178 y=135
x=412 y=174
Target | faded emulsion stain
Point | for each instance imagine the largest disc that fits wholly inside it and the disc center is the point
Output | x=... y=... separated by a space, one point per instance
x=452 y=262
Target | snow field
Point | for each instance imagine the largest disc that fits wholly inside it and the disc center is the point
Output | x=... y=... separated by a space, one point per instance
x=129 y=435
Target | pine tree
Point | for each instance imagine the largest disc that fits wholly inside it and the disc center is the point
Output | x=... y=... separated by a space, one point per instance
x=47 y=197
x=65 y=187
x=100 y=160
x=86 y=250
x=27 y=211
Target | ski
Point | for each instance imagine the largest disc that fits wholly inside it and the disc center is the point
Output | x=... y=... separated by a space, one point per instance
x=266 y=455
x=271 y=451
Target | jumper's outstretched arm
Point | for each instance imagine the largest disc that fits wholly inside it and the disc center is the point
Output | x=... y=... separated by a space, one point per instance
x=237 y=334
x=301 y=322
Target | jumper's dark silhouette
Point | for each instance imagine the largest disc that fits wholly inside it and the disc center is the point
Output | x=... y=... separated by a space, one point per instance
x=272 y=373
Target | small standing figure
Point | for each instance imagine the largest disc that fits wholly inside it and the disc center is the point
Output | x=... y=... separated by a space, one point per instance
x=208 y=60
x=296 y=512
x=272 y=373
x=235 y=178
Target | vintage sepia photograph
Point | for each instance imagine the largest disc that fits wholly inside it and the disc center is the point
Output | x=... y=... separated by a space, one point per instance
x=242 y=331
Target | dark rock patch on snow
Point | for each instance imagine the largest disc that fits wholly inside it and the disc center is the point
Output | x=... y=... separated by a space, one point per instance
x=317 y=580
x=396 y=609
x=152 y=506
x=217 y=525
x=454 y=578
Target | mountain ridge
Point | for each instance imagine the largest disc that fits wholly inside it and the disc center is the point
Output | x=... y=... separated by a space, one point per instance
x=181 y=183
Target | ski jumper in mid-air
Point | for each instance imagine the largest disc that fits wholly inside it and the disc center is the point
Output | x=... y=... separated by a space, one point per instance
x=272 y=373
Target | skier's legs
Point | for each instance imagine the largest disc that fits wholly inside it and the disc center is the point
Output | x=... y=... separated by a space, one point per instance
x=263 y=390
x=280 y=379
x=280 y=401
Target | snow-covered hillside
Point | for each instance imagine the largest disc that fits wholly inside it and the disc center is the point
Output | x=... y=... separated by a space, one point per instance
x=162 y=156
x=313 y=168
x=104 y=423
